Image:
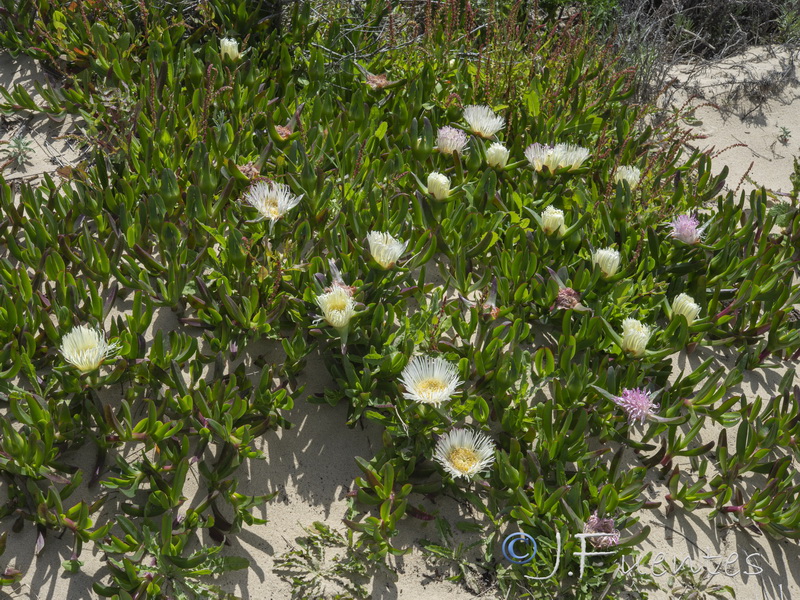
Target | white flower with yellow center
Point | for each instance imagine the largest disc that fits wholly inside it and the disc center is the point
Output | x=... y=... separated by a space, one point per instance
x=483 y=121
x=450 y=140
x=553 y=220
x=385 y=249
x=338 y=306
x=630 y=174
x=608 y=261
x=86 y=348
x=464 y=453
x=635 y=336
x=429 y=380
x=497 y=156
x=229 y=48
x=683 y=304
x=438 y=185
x=271 y=200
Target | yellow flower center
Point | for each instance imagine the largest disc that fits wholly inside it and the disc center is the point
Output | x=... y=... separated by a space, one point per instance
x=463 y=459
x=338 y=304
x=271 y=206
x=430 y=387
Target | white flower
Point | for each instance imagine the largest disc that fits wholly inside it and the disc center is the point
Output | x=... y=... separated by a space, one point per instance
x=271 y=200
x=438 y=185
x=385 y=249
x=450 y=140
x=540 y=156
x=464 y=453
x=635 y=336
x=229 y=48
x=570 y=156
x=560 y=156
x=608 y=261
x=337 y=306
x=553 y=220
x=482 y=120
x=683 y=304
x=86 y=348
x=497 y=156
x=630 y=174
x=429 y=380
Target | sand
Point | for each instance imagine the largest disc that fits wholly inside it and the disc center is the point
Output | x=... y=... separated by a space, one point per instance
x=53 y=142
x=312 y=466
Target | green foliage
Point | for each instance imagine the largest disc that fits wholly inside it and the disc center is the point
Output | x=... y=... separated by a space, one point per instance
x=9 y=576
x=454 y=556
x=325 y=558
x=18 y=151
x=155 y=227
x=156 y=565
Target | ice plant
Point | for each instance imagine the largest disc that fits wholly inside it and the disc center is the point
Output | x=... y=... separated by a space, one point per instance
x=376 y=81
x=379 y=81
x=283 y=132
x=553 y=221
x=540 y=156
x=560 y=156
x=271 y=200
x=229 y=48
x=596 y=525
x=438 y=185
x=637 y=404
x=630 y=174
x=686 y=228
x=483 y=121
x=429 y=380
x=250 y=170
x=338 y=306
x=385 y=249
x=607 y=259
x=568 y=298
x=571 y=156
x=86 y=348
x=450 y=140
x=464 y=453
x=635 y=336
x=497 y=156
x=683 y=304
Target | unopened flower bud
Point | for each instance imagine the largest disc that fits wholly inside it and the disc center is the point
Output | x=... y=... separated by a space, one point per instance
x=552 y=220
x=438 y=186
x=608 y=261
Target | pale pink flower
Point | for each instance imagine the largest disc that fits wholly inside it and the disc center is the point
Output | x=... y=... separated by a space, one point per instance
x=450 y=140
x=637 y=404
x=686 y=228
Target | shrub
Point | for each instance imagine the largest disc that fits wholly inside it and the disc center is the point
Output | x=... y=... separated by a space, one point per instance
x=553 y=320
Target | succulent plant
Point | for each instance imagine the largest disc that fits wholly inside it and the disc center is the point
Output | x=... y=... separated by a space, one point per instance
x=510 y=348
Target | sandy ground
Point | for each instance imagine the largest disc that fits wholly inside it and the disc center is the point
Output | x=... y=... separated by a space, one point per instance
x=311 y=465
x=743 y=105
x=53 y=145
